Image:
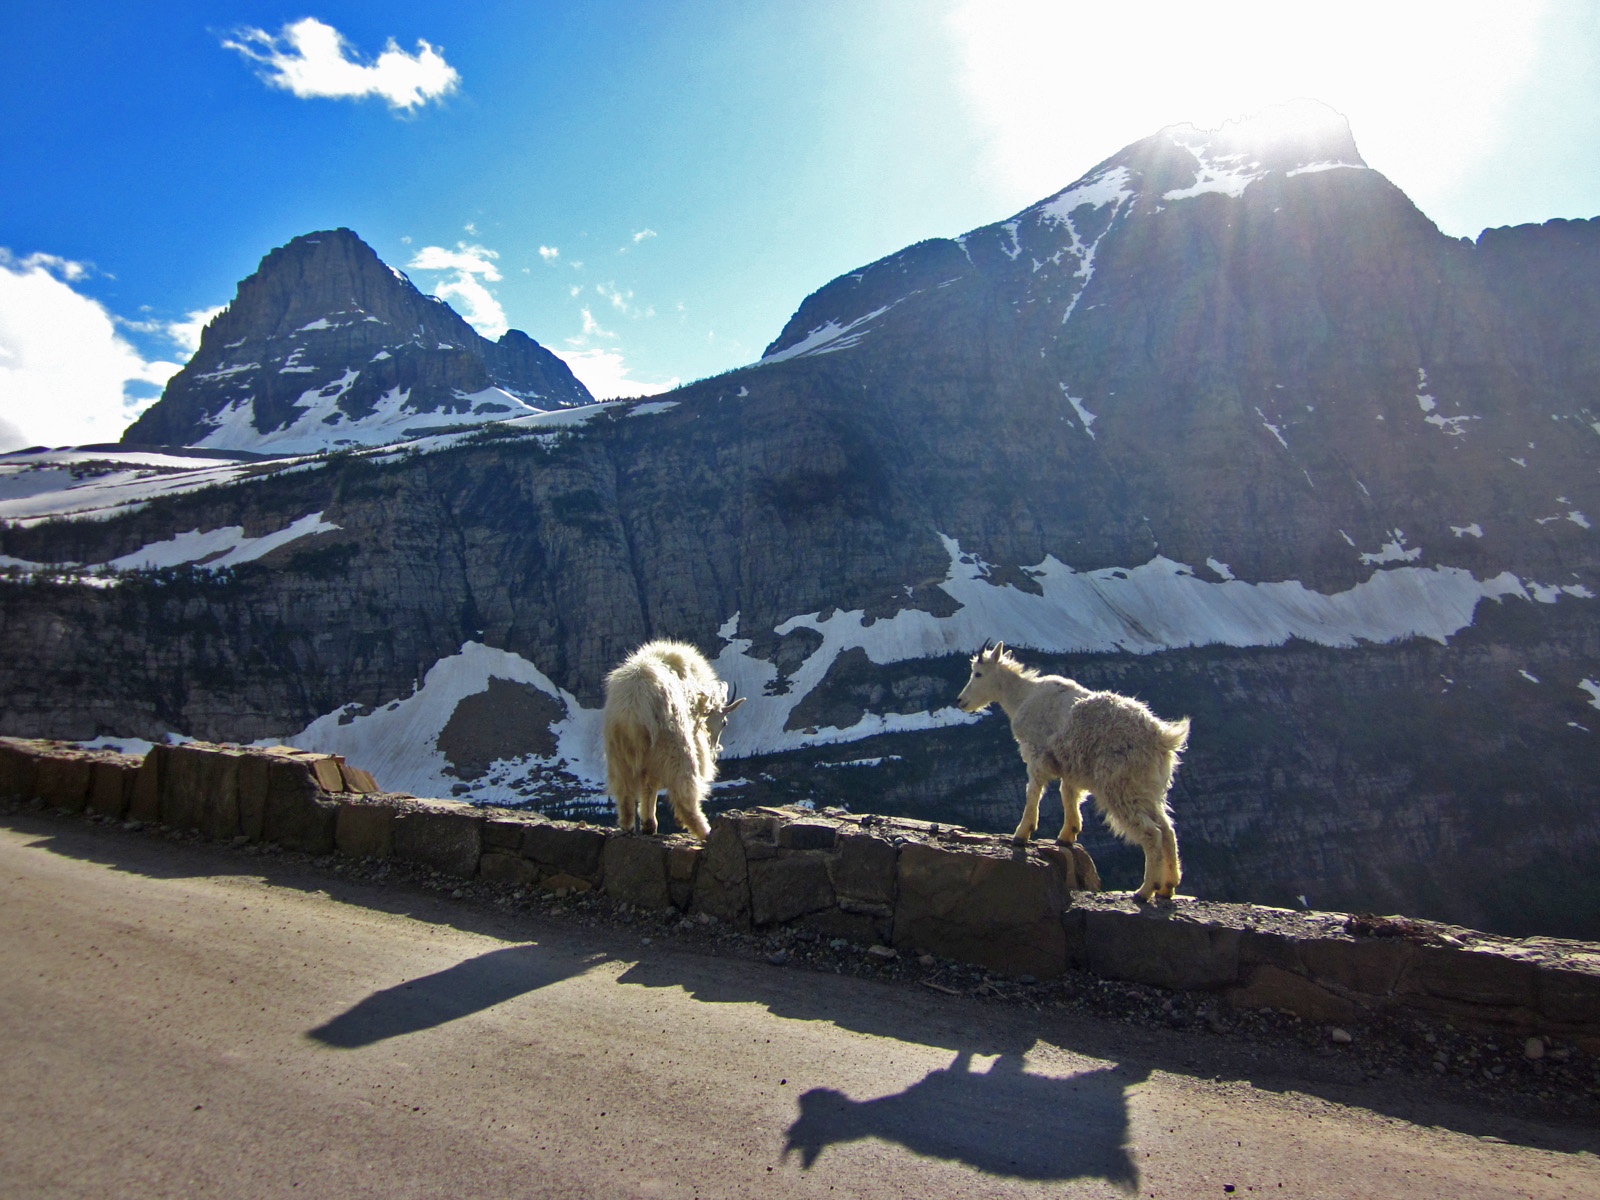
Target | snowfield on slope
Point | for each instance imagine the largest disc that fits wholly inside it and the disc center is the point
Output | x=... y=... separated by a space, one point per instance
x=1158 y=606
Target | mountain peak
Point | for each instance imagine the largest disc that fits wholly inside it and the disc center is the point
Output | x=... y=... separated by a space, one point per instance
x=326 y=345
x=1283 y=137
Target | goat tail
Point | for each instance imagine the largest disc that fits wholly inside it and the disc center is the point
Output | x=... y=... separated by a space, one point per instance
x=1174 y=735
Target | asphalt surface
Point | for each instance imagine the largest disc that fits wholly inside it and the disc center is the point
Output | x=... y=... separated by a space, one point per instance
x=179 y=1020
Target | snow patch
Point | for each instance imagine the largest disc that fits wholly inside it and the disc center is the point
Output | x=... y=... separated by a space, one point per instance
x=652 y=406
x=1227 y=175
x=1313 y=168
x=323 y=426
x=1593 y=688
x=827 y=338
x=1273 y=428
x=399 y=741
x=217 y=548
x=1220 y=568
x=1392 y=551
x=1015 y=248
x=1549 y=593
x=1109 y=188
x=1084 y=415
x=1473 y=530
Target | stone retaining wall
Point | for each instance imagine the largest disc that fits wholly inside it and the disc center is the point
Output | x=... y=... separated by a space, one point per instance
x=905 y=884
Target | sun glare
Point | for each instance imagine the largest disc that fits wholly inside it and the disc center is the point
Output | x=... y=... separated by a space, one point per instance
x=1060 y=86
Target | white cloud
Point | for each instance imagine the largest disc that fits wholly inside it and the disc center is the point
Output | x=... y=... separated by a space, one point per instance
x=607 y=377
x=310 y=58
x=186 y=333
x=63 y=366
x=591 y=327
x=470 y=227
x=549 y=252
x=469 y=260
x=474 y=301
x=642 y=234
x=620 y=300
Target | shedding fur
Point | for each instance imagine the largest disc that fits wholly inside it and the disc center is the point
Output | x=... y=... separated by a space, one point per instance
x=664 y=715
x=1099 y=742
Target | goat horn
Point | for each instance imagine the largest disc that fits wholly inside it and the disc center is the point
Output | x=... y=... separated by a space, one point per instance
x=987 y=643
x=733 y=692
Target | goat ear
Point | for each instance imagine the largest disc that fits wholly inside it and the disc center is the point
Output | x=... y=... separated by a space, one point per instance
x=728 y=708
x=999 y=649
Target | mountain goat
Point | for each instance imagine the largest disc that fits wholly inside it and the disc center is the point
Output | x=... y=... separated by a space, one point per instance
x=664 y=715
x=1096 y=742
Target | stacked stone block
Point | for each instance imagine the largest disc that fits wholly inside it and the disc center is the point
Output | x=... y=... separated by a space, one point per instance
x=907 y=884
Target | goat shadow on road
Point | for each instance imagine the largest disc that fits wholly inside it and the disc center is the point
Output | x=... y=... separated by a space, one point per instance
x=931 y=1020
x=468 y=987
x=1004 y=1121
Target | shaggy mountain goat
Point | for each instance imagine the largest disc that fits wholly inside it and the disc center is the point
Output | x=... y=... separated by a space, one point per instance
x=1096 y=742
x=664 y=716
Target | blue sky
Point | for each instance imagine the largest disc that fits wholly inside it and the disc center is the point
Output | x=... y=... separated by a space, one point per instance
x=652 y=188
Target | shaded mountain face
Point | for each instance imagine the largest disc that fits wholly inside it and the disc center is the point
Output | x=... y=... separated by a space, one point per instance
x=326 y=346
x=1227 y=425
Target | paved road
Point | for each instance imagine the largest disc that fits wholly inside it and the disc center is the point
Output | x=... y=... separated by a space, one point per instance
x=175 y=1023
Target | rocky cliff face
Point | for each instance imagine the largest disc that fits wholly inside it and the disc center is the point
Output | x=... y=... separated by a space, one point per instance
x=1227 y=425
x=326 y=346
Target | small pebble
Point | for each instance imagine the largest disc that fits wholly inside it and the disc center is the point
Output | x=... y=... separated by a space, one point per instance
x=457 y=894
x=778 y=957
x=881 y=951
x=1534 y=1048
x=1340 y=1037
x=925 y=960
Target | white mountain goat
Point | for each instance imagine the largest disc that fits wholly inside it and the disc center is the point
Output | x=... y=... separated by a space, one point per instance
x=1096 y=742
x=664 y=715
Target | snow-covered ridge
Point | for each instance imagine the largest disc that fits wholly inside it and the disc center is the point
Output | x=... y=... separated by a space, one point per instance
x=828 y=338
x=1109 y=187
x=1158 y=606
x=212 y=549
x=42 y=486
x=325 y=426
x=218 y=548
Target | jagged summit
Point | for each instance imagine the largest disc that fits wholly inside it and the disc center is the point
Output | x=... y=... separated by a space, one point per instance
x=326 y=345
x=1282 y=137
x=1052 y=244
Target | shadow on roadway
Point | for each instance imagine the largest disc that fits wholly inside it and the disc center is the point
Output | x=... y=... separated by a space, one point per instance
x=459 y=991
x=160 y=857
x=900 y=1012
x=1003 y=1121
